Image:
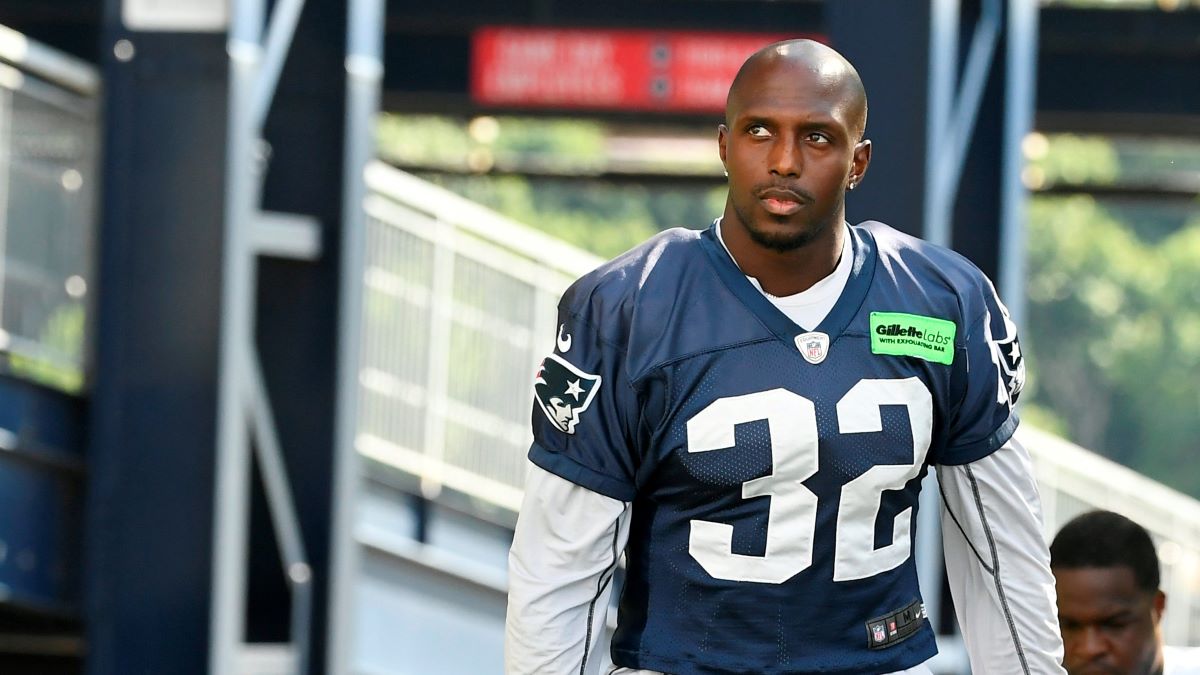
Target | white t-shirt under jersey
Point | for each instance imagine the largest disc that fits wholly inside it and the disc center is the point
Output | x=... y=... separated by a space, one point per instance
x=809 y=307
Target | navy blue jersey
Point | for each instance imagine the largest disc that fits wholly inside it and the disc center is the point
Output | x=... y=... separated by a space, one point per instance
x=773 y=469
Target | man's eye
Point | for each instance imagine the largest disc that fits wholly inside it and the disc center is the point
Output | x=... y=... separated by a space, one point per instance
x=818 y=138
x=758 y=131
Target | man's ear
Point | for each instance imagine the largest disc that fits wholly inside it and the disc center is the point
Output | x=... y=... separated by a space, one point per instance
x=859 y=163
x=722 y=140
x=1160 y=605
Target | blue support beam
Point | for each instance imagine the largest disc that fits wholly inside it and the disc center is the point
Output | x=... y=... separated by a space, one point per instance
x=148 y=518
x=153 y=424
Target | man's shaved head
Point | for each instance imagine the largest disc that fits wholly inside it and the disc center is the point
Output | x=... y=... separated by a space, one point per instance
x=831 y=69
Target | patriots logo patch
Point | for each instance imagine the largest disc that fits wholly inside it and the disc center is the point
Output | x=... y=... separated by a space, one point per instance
x=563 y=392
x=1007 y=357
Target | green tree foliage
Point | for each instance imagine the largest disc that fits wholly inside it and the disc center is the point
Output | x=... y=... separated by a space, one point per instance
x=427 y=140
x=598 y=216
x=542 y=145
x=1113 y=336
x=1079 y=160
x=535 y=170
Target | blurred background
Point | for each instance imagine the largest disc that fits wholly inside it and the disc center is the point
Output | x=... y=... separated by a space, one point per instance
x=275 y=277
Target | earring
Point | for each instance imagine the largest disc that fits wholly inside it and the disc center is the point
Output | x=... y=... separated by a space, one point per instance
x=727 y=173
x=852 y=185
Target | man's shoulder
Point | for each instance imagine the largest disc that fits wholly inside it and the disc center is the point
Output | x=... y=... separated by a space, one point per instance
x=630 y=267
x=920 y=255
x=912 y=262
x=616 y=283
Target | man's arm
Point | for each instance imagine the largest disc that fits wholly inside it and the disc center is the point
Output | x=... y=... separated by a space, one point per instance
x=567 y=543
x=998 y=564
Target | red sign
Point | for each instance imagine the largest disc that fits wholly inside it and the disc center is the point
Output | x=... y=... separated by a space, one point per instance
x=609 y=69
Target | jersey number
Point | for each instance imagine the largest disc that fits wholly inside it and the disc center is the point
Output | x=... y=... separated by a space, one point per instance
x=791 y=522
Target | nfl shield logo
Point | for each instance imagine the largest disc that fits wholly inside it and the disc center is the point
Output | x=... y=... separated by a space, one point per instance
x=878 y=633
x=813 y=346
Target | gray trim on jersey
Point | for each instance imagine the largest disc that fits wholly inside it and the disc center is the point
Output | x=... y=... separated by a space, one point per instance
x=950 y=512
x=995 y=570
x=602 y=583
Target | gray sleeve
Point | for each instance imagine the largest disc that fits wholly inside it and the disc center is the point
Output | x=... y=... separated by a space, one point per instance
x=998 y=564
x=565 y=550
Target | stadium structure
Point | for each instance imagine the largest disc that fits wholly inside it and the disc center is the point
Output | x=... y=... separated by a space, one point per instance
x=265 y=400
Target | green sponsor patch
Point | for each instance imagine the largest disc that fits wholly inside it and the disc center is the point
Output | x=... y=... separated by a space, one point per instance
x=924 y=337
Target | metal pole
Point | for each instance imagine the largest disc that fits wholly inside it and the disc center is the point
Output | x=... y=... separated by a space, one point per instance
x=364 y=75
x=232 y=482
x=281 y=508
x=970 y=92
x=952 y=114
x=284 y=18
x=943 y=60
x=1020 y=90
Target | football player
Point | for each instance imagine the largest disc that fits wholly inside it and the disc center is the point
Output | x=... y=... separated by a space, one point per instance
x=752 y=409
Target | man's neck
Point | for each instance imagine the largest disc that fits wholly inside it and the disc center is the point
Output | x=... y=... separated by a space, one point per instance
x=783 y=273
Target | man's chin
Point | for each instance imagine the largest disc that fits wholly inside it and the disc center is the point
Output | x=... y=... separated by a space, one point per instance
x=782 y=238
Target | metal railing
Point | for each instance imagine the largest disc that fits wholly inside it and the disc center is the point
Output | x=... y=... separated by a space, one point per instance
x=459 y=308
x=49 y=131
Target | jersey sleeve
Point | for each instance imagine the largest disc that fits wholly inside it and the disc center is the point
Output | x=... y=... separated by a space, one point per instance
x=565 y=550
x=989 y=375
x=585 y=411
x=998 y=566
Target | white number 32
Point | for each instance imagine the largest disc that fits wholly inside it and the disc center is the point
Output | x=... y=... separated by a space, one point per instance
x=791 y=522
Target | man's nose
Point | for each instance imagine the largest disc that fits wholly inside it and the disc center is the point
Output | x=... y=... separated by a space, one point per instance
x=785 y=159
x=1088 y=644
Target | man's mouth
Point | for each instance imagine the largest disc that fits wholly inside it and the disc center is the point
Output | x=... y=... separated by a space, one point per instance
x=780 y=201
x=780 y=207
